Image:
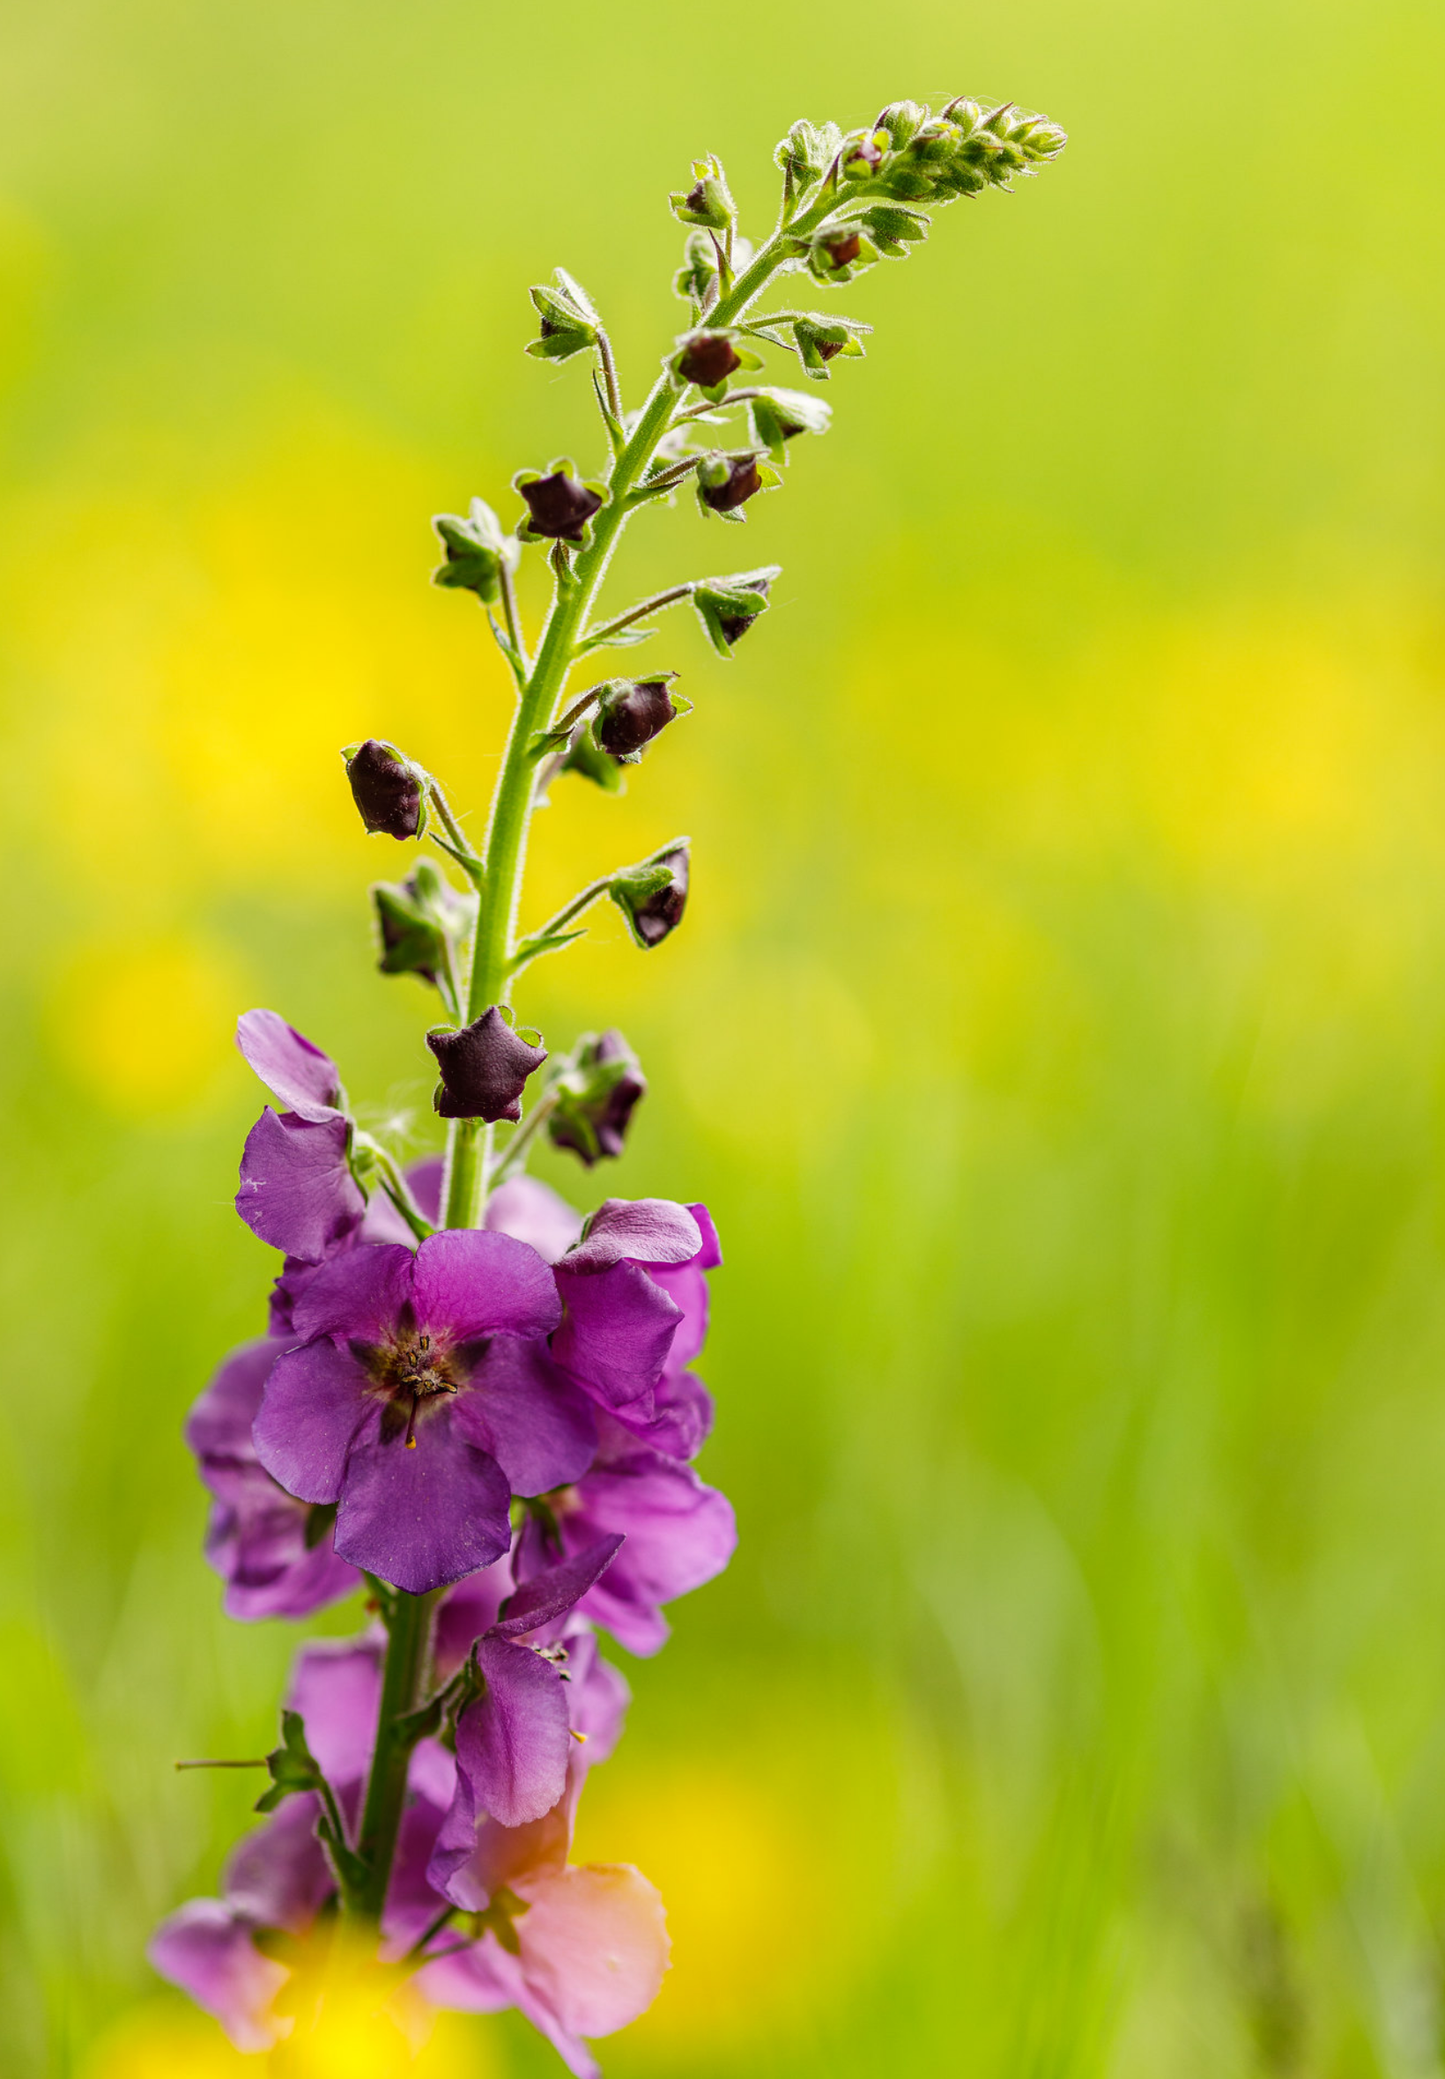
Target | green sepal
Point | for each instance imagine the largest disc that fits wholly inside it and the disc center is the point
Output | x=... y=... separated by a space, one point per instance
x=812 y=332
x=477 y=552
x=587 y=758
x=292 y=1765
x=902 y=120
x=777 y=416
x=545 y=942
x=728 y=606
x=807 y=152
x=708 y=202
x=569 y=322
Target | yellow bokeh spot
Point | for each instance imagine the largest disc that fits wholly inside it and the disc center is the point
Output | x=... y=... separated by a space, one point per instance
x=758 y=1908
x=146 y=1028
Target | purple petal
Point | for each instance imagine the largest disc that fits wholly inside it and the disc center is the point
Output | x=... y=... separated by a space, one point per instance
x=425 y=1517
x=411 y=1902
x=297 y=1191
x=219 y=1424
x=358 y=1294
x=472 y=1860
x=549 y=1595
x=528 y=1414
x=637 y=1230
x=594 y=1946
x=383 y=1223
x=512 y=1741
x=533 y=1213
x=207 y=1950
x=257 y=1541
x=336 y=1686
x=470 y=1283
x=315 y=1401
x=617 y=1331
x=278 y=1876
x=679 y=1534
x=675 y=1419
x=479 y=1979
x=465 y=1612
x=295 y=1071
x=425 y=1180
x=686 y=1286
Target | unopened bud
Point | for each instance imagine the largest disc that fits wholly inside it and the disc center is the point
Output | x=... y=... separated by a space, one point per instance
x=477 y=552
x=861 y=155
x=807 y=151
x=559 y=505
x=707 y=202
x=484 y=1069
x=631 y=713
x=569 y=323
x=596 y=1091
x=821 y=339
x=728 y=607
x=707 y=359
x=653 y=896
x=421 y=922
x=778 y=416
x=388 y=789
x=725 y=482
x=902 y=120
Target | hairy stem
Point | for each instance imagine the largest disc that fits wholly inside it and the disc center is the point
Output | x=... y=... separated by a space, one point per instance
x=408 y=1652
x=469 y=1146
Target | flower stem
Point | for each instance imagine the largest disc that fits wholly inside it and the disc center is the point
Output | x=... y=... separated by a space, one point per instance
x=469 y=1146
x=408 y=1653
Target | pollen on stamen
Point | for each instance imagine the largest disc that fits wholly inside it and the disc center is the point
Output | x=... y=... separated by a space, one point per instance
x=411 y=1443
x=580 y=1738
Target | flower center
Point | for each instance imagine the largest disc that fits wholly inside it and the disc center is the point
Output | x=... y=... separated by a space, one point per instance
x=415 y=1375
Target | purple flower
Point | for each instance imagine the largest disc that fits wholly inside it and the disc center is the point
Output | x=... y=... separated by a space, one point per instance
x=678 y=1533
x=513 y=1739
x=422 y=1400
x=273 y=1552
x=635 y=1296
x=588 y=1962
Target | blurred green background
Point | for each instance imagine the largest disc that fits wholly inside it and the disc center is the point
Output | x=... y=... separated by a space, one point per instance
x=1057 y=1027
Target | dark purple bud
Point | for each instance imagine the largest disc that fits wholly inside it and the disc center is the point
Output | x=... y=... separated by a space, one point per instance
x=653 y=906
x=708 y=358
x=843 y=249
x=632 y=715
x=596 y=1094
x=484 y=1069
x=827 y=348
x=734 y=626
x=697 y=198
x=741 y=483
x=386 y=788
x=559 y=506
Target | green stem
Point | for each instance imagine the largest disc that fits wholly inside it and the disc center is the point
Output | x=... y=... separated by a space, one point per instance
x=408 y=1652
x=469 y=1148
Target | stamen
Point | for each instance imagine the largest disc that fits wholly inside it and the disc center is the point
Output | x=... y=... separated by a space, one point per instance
x=411 y=1426
x=580 y=1738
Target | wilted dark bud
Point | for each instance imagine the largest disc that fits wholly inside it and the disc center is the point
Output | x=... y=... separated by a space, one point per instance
x=597 y=1090
x=902 y=120
x=559 y=505
x=388 y=789
x=726 y=482
x=630 y=713
x=728 y=607
x=708 y=359
x=421 y=923
x=484 y=1069
x=807 y=152
x=569 y=323
x=477 y=551
x=821 y=339
x=778 y=416
x=653 y=896
x=707 y=202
